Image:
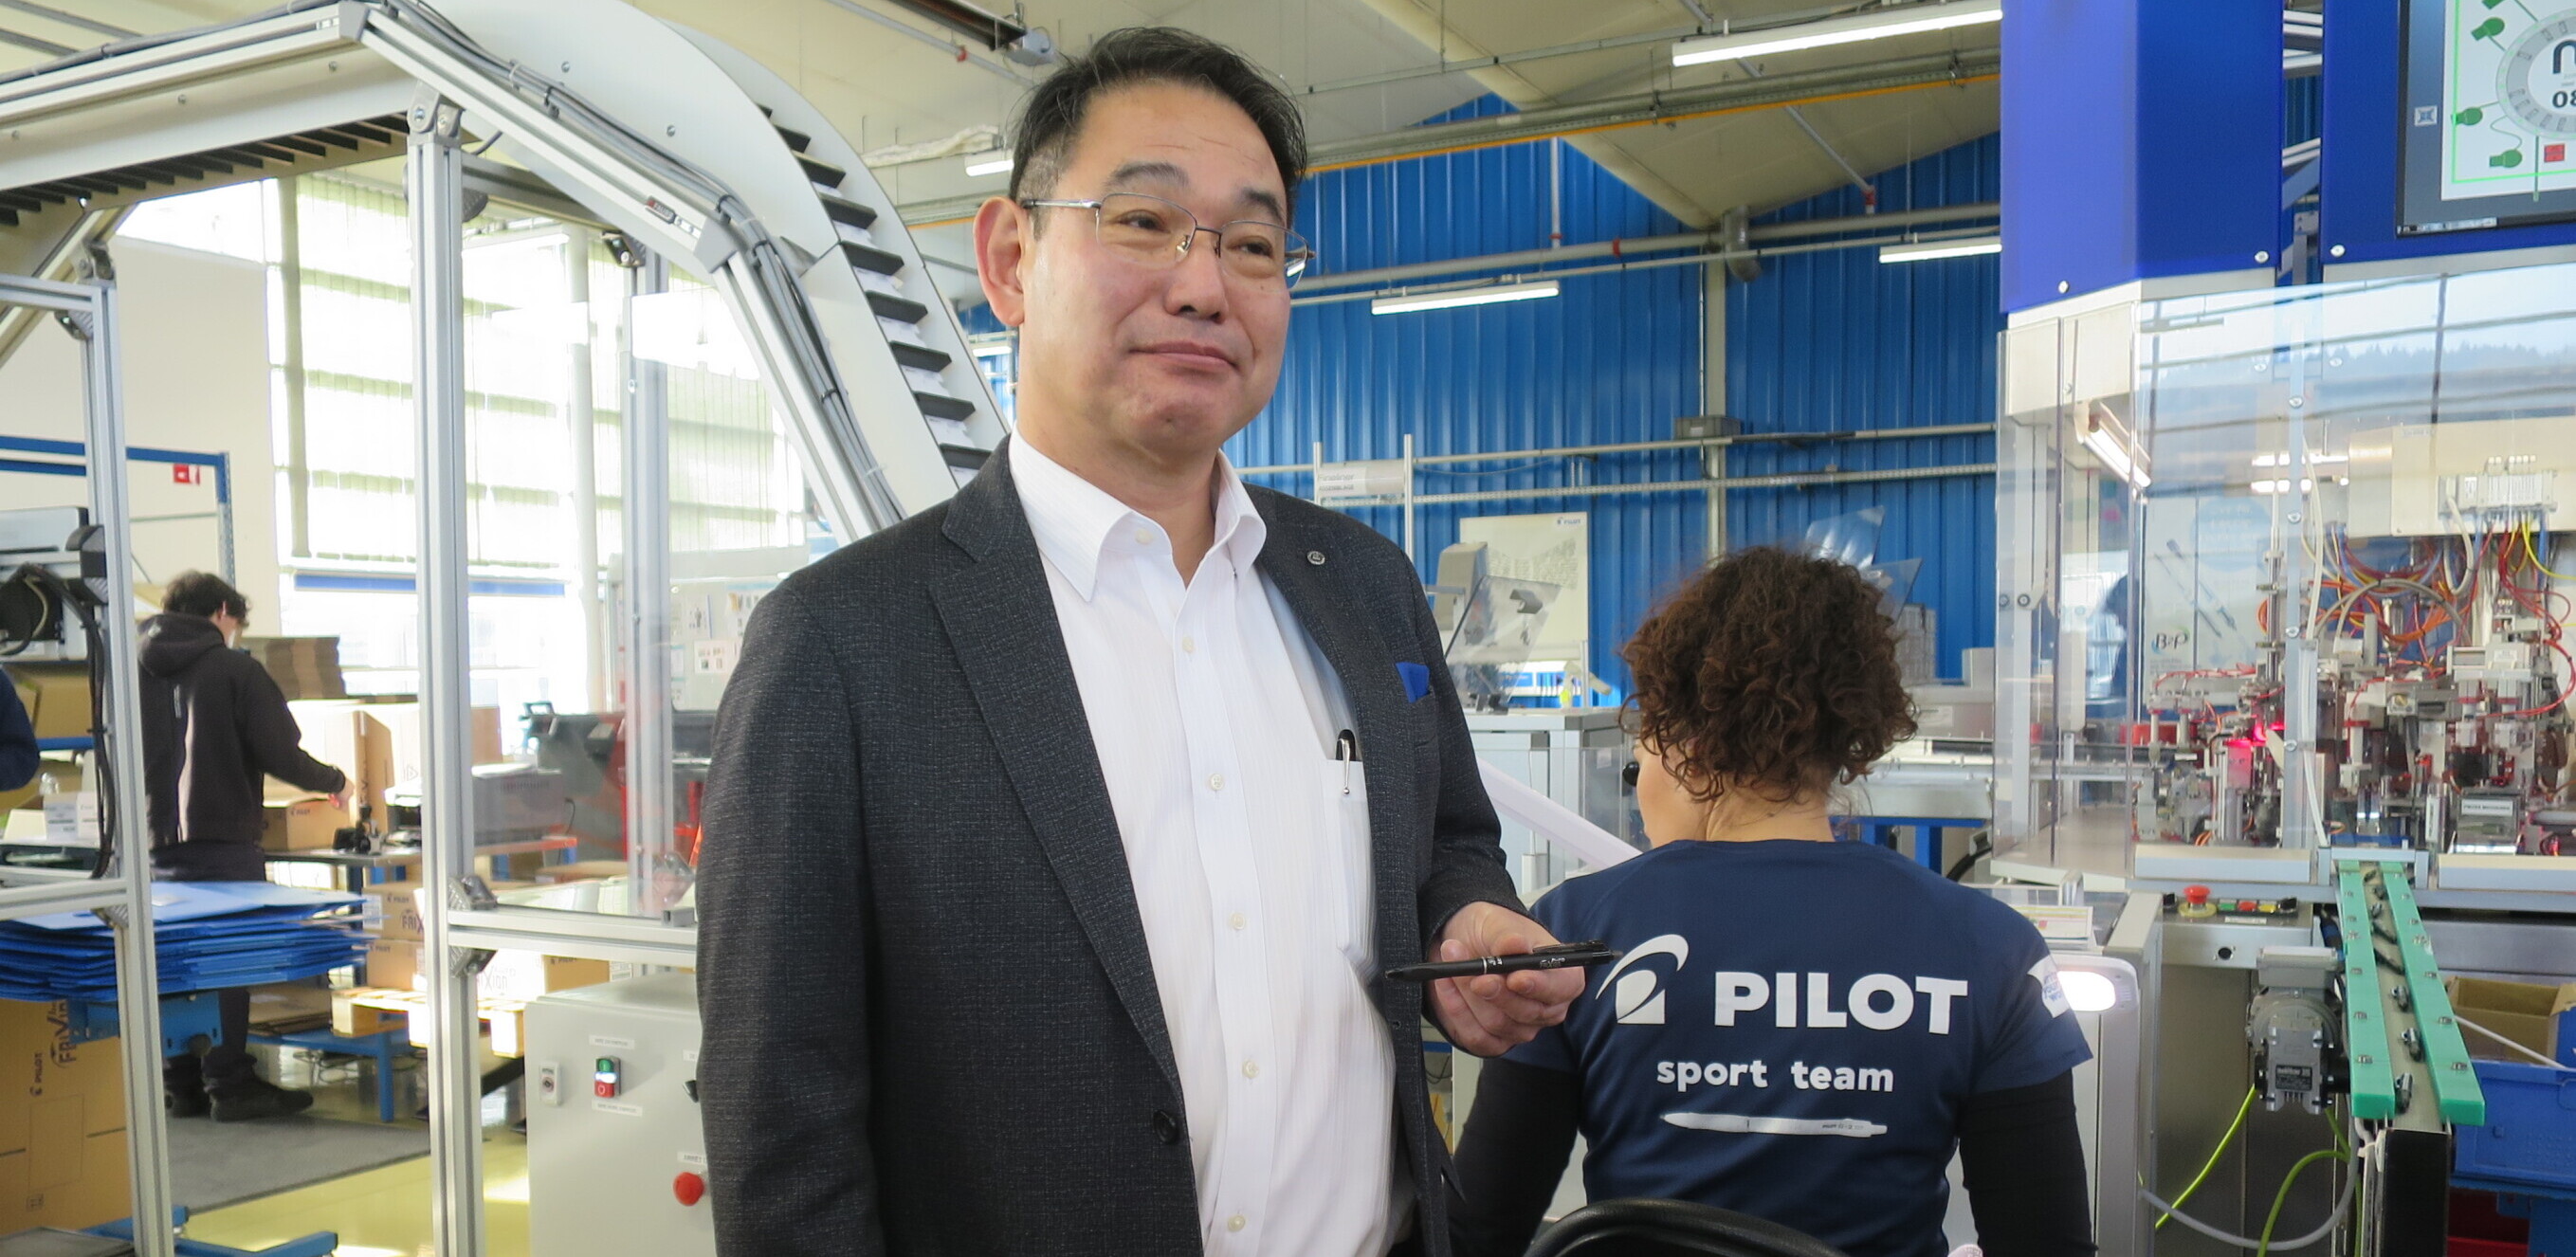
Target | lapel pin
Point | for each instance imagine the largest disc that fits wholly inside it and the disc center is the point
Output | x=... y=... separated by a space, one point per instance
x=1315 y=557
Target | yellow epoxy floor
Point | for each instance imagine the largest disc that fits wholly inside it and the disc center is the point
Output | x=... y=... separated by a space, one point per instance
x=382 y=1212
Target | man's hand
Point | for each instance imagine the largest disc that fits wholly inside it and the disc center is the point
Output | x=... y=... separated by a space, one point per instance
x=1492 y=1014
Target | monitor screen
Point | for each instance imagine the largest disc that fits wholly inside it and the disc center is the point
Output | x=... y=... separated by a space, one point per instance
x=2487 y=125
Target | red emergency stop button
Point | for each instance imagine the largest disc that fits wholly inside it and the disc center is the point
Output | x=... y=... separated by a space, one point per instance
x=688 y=1188
x=2195 y=895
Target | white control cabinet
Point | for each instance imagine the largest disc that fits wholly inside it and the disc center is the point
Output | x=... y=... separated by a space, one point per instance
x=617 y=1160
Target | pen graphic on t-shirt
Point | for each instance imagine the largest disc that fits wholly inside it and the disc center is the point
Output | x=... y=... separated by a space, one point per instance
x=1739 y=1124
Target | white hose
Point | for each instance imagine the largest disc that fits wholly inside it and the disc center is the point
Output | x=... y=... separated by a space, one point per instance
x=2334 y=1218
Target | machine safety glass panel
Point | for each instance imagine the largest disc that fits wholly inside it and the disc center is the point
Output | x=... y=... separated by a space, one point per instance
x=2283 y=573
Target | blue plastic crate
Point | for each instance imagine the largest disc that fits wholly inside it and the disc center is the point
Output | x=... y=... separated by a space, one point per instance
x=2530 y=1135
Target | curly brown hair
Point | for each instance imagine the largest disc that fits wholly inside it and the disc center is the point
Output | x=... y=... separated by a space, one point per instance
x=1770 y=672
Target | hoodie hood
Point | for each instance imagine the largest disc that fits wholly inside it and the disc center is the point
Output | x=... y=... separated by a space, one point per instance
x=172 y=643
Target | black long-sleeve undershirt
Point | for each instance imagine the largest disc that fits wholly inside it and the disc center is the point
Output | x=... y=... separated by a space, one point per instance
x=2020 y=1148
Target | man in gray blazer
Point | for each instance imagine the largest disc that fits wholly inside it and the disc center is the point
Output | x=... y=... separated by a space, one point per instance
x=1057 y=837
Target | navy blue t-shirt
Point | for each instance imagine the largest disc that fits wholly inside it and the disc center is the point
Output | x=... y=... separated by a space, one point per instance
x=1792 y=1030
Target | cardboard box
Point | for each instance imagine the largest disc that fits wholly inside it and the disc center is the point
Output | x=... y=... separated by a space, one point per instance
x=304 y=823
x=379 y=743
x=68 y=779
x=523 y=976
x=395 y=908
x=2541 y=1018
x=394 y=965
x=50 y=1085
x=304 y=667
x=82 y=1182
x=56 y=695
x=282 y=1007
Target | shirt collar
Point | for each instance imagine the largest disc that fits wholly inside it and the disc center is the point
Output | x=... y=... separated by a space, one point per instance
x=1076 y=522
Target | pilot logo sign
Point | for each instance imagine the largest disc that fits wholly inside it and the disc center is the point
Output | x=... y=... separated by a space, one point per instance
x=1637 y=996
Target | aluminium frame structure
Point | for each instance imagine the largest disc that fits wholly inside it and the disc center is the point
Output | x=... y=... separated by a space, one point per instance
x=121 y=892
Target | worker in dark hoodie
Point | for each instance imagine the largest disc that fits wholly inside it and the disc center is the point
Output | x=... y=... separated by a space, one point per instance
x=215 y=724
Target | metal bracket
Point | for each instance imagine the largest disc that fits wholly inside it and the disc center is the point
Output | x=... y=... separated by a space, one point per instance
x=436 y=116
x=470 y=893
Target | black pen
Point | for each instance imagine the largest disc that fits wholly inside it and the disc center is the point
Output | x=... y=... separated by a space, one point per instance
x=1558 y=956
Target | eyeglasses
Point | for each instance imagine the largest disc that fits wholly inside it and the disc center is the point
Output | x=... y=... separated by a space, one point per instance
x=1157 y=234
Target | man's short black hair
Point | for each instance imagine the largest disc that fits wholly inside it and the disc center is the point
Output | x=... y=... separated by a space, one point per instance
x=1051 y=119
x=197 y=593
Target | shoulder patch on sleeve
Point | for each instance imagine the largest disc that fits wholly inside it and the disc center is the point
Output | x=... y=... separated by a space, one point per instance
x=2052 y=993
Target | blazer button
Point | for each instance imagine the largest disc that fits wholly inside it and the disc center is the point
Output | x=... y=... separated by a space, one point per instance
x=1166 y=1127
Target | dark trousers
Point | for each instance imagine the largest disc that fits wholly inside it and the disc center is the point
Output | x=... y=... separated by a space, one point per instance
x=229 y=1058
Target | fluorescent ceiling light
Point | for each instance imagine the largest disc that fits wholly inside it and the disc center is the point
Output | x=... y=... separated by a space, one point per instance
x=1927 y=250
x=988 y=163
x=2314 y=460
x=1912 y=19
x=1462 y=297
x=990 y=348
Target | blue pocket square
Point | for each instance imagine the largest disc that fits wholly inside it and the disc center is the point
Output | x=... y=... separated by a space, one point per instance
x=1417 y=681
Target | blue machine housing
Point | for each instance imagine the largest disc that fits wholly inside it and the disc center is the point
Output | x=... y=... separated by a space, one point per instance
x=2141 y=140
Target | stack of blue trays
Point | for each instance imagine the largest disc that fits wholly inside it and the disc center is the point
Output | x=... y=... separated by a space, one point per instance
x=210 y=935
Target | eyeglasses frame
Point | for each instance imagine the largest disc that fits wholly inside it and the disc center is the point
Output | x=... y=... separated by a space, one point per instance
x=1292 y=267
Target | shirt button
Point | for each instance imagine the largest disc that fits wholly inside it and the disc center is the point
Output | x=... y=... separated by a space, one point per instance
x=1252 y=1069
x=1236 y=1223
x=1189 y=645
x=1144 y=538
x=1216 y=781
x=1238 y=920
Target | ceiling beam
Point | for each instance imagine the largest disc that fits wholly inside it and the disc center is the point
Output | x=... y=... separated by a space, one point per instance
x=1432 y=31
x=1594 y=117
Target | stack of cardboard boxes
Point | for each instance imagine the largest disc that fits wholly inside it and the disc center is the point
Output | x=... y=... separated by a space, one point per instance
x=56 y=696
x=379 y=745
x=62 y=1123
x=304 y=667
x=395 y=977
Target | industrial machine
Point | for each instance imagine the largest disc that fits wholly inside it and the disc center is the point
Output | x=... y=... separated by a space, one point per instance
x=617 y=1161
x=2280 y=583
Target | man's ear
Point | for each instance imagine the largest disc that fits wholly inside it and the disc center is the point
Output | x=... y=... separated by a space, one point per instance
x=1002 y=245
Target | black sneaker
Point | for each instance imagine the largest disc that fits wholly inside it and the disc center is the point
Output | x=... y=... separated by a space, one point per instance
x=183 y=1088
x=251 y=1098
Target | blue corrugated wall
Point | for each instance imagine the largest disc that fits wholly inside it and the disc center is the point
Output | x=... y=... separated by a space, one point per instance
x=1615 y=358
x=1823 y=342
x=1836 y=341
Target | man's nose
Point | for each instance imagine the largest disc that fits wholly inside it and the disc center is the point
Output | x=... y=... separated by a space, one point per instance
x=1198 y=283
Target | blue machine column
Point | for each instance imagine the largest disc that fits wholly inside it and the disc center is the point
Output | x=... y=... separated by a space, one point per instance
x=2141 y=139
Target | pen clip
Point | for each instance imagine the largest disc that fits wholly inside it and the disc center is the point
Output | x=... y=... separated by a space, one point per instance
x=1346 y=746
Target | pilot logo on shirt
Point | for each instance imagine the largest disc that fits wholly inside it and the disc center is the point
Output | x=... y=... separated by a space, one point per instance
x=1640 y=997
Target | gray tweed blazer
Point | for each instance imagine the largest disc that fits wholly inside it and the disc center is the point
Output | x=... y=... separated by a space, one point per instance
x=931 y=1021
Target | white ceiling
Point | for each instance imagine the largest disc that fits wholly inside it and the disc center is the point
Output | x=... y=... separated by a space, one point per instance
x=883 y=88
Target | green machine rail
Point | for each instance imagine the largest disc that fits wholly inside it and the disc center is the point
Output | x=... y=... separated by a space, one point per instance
x=2401 y=1035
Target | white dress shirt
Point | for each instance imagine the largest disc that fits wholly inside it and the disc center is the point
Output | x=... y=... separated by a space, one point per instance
x=1215 y=720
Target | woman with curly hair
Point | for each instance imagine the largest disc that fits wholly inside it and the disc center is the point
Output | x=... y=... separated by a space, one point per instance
x=1801 y=1029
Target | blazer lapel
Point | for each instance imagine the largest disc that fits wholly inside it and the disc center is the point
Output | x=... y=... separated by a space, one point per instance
x=1001 y=618
x=1377 y=700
